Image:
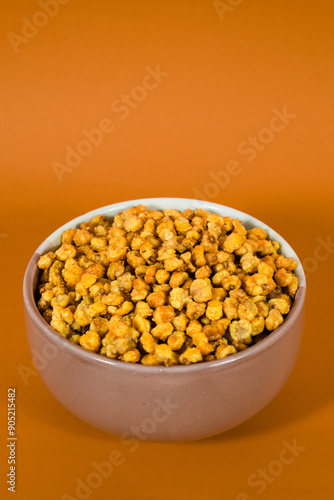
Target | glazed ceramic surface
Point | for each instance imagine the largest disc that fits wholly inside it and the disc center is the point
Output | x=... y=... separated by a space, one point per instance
x=158 y=403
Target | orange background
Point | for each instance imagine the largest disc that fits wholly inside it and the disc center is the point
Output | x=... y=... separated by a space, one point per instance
x=226 y=75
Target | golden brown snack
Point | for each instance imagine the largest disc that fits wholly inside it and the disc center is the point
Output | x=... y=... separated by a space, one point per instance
x=164 y=287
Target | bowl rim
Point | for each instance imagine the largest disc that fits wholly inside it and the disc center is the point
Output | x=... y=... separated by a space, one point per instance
x=61 y=342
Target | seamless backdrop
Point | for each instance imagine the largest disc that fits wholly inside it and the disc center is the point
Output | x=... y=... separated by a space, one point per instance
x=229 y=101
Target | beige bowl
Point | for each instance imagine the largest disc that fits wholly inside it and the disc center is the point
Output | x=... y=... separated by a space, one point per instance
x=163 y=403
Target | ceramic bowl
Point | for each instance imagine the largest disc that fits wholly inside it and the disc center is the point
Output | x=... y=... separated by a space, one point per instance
x=157 y=403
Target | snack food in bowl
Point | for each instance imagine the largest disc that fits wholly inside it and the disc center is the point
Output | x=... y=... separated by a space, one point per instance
x=165 y=303
x=166 y=287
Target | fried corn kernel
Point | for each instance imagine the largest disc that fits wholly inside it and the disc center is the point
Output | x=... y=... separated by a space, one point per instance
x=97 y=309
x=247 y=310
x=248 y=246
x=287 y=263
x=281 y=303
x=241 y=330
x=233 y=242
x=166 y=355
x=117 y=327
x=201 y=341
x=148 y=342
x=177 y=279
x=112 y=299
x=231 y=283
x=120 y=346
x=240 y=346
x=132 y=356
x=165 y=288
x=150 y=274
x=257 y=325
x=98 y=289
x=75 y=338
x=191 y=355
x=176 y=340
x=60 y=326
x=124 y=309
x=217 y=278
x=100 y=325
x=162 y=276
x=117 y=249
x=65 y=252
x=180 y=322
x=293 y=286
x=283 y=277
x=124 y=344
x=91 y=341
x=182 y=225
x=141 y=324
x=140 y=290
x=162 y=331
x=178 y=298
x=195 y=310
x=163 y=314
x=133 y=224
x=44 y=302
x=67 y=236
x=186 y=257
x=201 y=290
x=172 y=263
x=262 y=308
x=273 y=320
x=150 y=360
x=98 y=244
x=219 y=294
x=86 y=281
x=216 y=330
x=156 y=299
x=55 y=276
x=96 y=270
x=115 y=269
x=45 y=261
x=193 y=327
x=147 y=252
x=230 y=306
x=198 y=256
x=81 y=316
x=224 y=350
x=257 y=233
x=143 y=309
x=249 y=262
x=72 y=274
x=82 y=237
x=110 y=352
x=214 y=310
x=258 y=284
x=266 y=269
x=239 y=295
x=67 y=315
x=265 y=247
